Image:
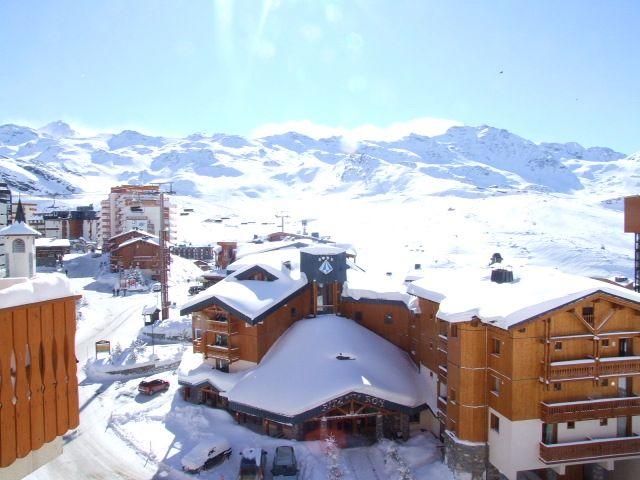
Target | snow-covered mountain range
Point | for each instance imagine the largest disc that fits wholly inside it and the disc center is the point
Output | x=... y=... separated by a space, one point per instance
x=450 y=199
x=467 y=160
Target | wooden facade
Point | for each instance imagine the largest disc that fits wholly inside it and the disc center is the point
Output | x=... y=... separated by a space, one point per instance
x=220 y=335
x=38 y=381
x=141 y=254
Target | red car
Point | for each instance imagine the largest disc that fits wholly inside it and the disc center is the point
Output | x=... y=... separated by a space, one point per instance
x=152 y=387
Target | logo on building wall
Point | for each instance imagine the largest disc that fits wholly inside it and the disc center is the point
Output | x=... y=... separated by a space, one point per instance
x=325 y=267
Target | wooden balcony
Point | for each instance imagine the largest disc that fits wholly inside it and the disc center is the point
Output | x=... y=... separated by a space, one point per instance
x=230 y=354
x=221 y=327
x=589 y=409
x=590 y=450
x=588 y=368
x=442 y=374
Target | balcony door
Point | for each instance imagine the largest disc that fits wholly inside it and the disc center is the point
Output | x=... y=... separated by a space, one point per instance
x=625 y=347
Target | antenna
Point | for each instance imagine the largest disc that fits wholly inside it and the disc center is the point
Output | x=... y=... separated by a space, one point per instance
x=282 y=216
x=170 y=183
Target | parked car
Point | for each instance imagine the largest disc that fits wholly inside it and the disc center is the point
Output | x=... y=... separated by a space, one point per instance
x=284 y=464
x=207 y=453
x=252 y=464
x=152 y=387
x=195 y=289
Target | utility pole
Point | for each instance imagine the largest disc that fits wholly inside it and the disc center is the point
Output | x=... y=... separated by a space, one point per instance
x=282 y=216
x=164 y=263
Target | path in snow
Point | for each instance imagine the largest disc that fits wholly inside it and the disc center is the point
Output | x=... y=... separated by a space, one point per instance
x=363 y=465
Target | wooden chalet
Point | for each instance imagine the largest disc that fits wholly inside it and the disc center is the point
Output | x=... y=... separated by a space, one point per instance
x=141 y=252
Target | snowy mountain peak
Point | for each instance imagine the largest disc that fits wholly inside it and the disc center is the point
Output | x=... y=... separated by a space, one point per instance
x=58 y=129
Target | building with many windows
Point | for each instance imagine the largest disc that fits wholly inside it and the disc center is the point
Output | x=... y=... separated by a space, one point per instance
x=136 y=207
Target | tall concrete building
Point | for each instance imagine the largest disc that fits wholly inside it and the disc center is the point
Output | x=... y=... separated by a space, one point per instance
x=135 y=207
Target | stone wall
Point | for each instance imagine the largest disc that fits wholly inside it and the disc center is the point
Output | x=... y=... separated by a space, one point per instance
x=469 y=461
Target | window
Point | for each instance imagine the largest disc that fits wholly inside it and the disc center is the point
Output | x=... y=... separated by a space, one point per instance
x=522 y=330
x=18 y=246
x=495 y=346
x=604 y=382
x=495 y=423
x=294 y=313
x=604 y=422
x=358 y=317
x=558 y=345
x=588 y=314
x=454 y=330
x=605 y=342
x=197 y=334
x=221 y=340
x=495 y=385
x=388 y=318
x=557 y=387
x=452 y=395
x=571 y=425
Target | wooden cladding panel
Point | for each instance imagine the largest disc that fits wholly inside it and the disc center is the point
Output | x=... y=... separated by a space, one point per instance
x=38 y=382
x=632 y=214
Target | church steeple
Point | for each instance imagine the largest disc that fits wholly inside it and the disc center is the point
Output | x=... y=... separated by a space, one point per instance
x=20 y=218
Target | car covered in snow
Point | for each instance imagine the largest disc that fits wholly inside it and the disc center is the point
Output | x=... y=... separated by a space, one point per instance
x=153 y=386
x=284 y=464
x=207 y=453
x=156 y=287
x=252 y=464
x=194 y=289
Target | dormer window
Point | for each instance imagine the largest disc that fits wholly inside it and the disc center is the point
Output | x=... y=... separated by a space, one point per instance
x=256 y=273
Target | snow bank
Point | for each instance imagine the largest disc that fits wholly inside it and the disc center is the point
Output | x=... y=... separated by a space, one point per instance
x=301 y=371
x=463 y=294
x=177 y=327
x=134 y=361
x=43 y=287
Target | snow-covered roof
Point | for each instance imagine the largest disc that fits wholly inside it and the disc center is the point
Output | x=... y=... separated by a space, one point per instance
x=53 y=242
x=323 y=250
x=251 y=248
x=44 y=286
x=250 y=300
x=273 y=258
x=360 y=285
x=18 y=229
x=140 y=232
x=194 y=371
x=463 y=294
x=150 y=240
x=150 y=309
x=301 y=372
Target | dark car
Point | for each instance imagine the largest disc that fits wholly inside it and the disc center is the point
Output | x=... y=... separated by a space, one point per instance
x=195 y=289
x=153 y=386
x=284 y=464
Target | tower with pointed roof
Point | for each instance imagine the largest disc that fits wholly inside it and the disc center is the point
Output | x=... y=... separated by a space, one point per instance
x=20 y=249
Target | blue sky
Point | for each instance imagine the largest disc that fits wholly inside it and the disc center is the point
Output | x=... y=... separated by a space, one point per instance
x=570 y=69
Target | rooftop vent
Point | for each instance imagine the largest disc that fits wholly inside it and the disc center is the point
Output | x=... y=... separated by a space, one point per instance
x=341 y=356
x=287 y=264
x=389 y=274
x=417 y=266
x=315 y=234
x=501 y=275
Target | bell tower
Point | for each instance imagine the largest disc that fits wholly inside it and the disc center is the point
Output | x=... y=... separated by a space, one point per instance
x=20 y=246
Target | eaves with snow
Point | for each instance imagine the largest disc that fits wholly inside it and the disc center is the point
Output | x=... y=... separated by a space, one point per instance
x=535 y=291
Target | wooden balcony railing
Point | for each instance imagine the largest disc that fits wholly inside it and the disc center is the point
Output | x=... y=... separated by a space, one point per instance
x=590 y=449
x=589 y=409
x=230 y=354
x=442 y=374
x=442 y=405
x=220 y=327
x=587 y=368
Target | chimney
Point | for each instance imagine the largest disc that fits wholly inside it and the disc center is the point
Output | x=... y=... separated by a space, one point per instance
x=417 y=266
x=287 y=264
x=501 y=275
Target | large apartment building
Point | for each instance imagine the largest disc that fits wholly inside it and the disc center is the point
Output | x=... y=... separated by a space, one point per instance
x=135 y=207
x=534 y=377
